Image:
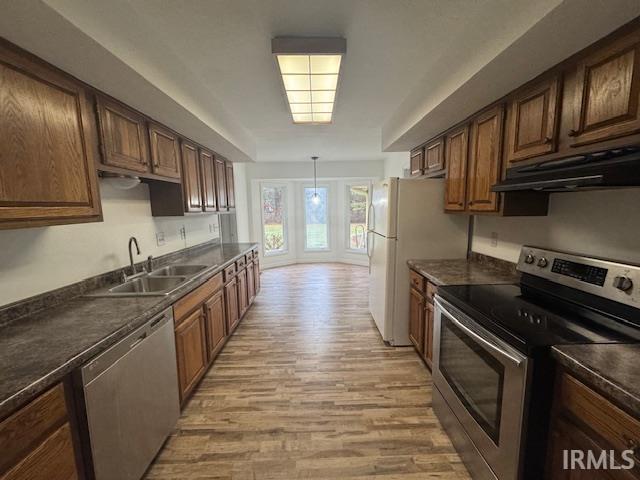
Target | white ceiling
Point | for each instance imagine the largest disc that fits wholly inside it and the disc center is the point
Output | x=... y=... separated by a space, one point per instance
x=212 y=59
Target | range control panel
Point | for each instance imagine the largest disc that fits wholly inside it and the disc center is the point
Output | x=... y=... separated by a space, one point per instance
x=616 y=281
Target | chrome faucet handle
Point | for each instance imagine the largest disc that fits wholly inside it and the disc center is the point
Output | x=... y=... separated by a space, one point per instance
x=149 y=263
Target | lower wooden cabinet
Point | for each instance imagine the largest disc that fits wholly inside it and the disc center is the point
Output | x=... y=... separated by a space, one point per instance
x=37 y=442
x=215 y=322
x=256 y=273
x=584 y=420
x=251 y=282
x=231 y=304
x=243 y=298
x=421 y=315
x=416 y=319
x=191 y=352
x=428 y=334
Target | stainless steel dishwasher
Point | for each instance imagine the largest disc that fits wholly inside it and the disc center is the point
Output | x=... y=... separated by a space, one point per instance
x=131 y=399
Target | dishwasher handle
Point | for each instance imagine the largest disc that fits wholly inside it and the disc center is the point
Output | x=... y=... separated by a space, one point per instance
x=98 y=365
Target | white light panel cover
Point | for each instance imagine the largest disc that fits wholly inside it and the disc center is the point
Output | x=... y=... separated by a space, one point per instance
x=310 y=82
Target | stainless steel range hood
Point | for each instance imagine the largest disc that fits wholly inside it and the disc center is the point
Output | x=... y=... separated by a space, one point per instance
x=604 y=169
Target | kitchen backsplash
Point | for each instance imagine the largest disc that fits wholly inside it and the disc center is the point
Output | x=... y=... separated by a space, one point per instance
x=602 y=223
x=37 y=260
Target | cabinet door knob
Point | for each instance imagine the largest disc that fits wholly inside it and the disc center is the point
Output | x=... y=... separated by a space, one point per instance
x=573 y=133
x=548 y=139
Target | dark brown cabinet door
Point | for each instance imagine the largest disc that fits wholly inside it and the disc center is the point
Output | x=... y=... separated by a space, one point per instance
x=428 y=334
x=434 y=156
x=191 y=352
x=256 y=274
x=216 y=329
x=243 y=299
x=606 y=92
x=231 y=189
x=191 y=177
x=165 y=151
x=231 y=304
x=416 y=320
x=416 y=162
x=533 y=115
x=208 y=179
x=456 y=151
x=485 y=160
x=123 y=136
x=48 y=145
x=221 y=183
x=251 y=282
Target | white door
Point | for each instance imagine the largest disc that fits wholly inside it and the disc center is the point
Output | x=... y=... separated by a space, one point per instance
x=381 y=282
x=382 y=211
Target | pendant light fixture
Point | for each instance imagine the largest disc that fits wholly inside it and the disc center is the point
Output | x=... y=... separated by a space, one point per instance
x=315 y=199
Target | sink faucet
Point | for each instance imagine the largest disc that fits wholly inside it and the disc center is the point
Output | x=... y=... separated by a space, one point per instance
x=132 y=241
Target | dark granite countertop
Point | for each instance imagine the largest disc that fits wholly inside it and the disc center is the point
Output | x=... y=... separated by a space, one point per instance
x=611 y=368
x=38 y=350
x=477 y=270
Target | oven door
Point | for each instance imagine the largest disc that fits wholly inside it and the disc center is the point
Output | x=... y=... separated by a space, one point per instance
x=484 y=383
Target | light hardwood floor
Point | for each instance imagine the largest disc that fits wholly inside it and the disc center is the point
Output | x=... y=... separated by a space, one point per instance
x=306 y=389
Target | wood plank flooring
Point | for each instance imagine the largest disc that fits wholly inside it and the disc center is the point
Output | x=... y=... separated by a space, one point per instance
x=306 y=389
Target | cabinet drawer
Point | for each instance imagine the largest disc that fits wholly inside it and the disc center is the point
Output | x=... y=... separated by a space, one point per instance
x=240 y=263
x=194 y=299
x=417 y=281
x=229 y=272
x=431 y=291
x=31 y=425
x=53 y=459
x=615 y=426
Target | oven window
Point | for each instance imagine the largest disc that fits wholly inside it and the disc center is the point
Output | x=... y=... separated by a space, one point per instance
x=474 y=375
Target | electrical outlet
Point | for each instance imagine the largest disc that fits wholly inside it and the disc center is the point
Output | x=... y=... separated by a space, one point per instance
x=160 y=238
x=494 y=239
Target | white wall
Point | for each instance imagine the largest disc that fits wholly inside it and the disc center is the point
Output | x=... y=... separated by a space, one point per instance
x=40 y=259
x=242 y=198
x=395 y=163
x=295 y=175
x=598 y=223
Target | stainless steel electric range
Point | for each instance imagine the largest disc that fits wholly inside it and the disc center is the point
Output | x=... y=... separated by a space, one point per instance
x=492 y=370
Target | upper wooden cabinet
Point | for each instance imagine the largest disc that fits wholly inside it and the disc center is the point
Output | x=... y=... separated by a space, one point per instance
x=208 y=180
x=123 y=136
x=533 y=121
x=48 y=145
x=231 y=186
x=434 y=156
x=485 y=160
x=221 y=183
x=416 y=162
x=606 y=92
x=191 y=184
x=456 y=150
x=165 y=151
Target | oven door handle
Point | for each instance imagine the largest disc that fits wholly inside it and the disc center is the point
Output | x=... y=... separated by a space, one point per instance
x=476 y=336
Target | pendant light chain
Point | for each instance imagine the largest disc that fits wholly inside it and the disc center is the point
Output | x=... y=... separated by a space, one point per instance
x=315 y=178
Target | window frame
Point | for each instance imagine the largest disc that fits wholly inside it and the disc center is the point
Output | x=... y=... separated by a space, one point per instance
x=306 y=249
x=347 y=223
x=285 y=214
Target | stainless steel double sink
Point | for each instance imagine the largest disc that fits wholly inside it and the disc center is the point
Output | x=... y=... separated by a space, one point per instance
x=159 y=282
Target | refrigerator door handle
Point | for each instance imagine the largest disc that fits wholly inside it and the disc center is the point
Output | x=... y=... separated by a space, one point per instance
x=372 y=217
x=370 y=248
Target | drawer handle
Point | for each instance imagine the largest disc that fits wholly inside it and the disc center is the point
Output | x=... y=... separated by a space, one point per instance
x=573 y=133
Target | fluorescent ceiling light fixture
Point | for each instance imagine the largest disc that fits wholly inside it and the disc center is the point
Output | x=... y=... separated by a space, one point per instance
x=310 y=70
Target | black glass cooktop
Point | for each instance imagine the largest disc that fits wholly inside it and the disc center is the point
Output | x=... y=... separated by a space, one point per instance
x=529 y=321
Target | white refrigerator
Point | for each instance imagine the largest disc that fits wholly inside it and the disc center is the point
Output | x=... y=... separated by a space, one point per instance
x=406 y=220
